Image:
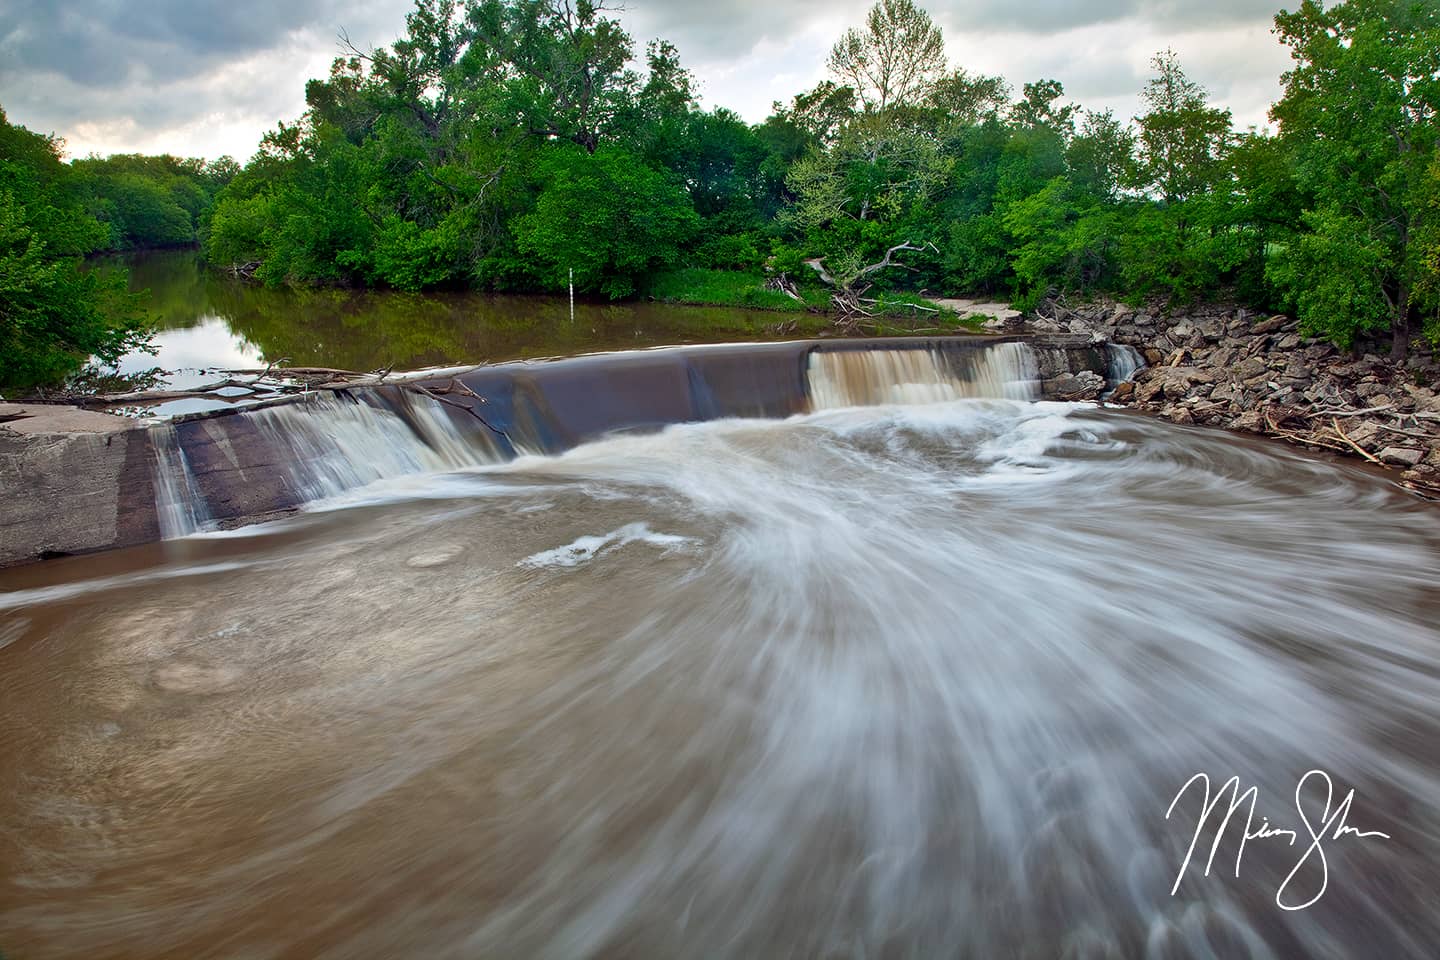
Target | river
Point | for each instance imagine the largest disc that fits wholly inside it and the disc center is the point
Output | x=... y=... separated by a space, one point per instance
x=883 y=679
x=207 y=320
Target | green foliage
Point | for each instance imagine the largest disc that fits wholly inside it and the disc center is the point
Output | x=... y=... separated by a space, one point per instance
x=606 y=216
x=1183 y=140
x=1361 y=117
x=1062 y=241
x=504 y=143
x=895 y=61
x=1335 y=273
x=150 y=201
x=54 y=316
x=727 y=288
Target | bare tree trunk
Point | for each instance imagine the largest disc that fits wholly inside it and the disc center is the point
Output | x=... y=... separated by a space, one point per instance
x=1400 y=326
x=1400 y=334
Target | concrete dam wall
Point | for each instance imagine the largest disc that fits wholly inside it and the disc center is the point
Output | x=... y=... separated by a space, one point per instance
x=84 y=482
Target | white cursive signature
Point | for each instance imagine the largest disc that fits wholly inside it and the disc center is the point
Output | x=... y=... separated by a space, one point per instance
x=1332 y=826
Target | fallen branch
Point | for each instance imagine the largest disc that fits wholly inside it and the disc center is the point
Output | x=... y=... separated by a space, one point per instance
x=1353 y=445
x=1354 y=413
x=888 y=260
x=442 y=398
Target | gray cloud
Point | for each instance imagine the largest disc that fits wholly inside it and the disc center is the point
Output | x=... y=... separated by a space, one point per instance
x=207 y=76
x=104 y=42
x=1050 y=16
x=713 y=31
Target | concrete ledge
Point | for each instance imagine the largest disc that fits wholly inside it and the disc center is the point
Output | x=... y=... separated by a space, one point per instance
x=74 y=481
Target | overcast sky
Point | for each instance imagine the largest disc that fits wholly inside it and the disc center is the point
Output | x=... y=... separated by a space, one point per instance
x=206 y=78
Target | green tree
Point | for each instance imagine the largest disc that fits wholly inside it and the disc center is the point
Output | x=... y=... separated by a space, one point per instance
x=895 y=61
x=1359 y=112
x=562 y=63
x=1039 y=108
x=54 y=316
x=608 y=217
x=1183 y=140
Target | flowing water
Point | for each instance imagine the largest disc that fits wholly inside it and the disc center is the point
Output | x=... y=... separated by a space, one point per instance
x=917 y=674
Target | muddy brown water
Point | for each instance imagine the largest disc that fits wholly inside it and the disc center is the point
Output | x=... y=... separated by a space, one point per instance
x=207 y=320
x=902 y=680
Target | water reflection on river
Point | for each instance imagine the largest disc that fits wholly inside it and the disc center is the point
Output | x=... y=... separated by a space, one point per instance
x=896 y=681
x=208 y=320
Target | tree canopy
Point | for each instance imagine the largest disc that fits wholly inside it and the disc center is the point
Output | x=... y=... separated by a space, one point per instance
x=513 y=144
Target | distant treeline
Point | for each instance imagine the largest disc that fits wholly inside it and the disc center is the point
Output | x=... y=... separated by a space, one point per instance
x=55 y=316
x=149 y=202
x=503 y=144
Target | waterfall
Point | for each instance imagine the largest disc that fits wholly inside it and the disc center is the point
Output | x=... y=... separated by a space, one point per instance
x=178 y=504
x=333 y=443
x=1121 y=362
x=856 y=378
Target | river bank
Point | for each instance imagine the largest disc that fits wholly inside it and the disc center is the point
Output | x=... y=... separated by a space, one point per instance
x=1224 y=365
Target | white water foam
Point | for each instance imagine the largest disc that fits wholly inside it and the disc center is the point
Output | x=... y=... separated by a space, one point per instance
x=336 y=444
x=584 y=549
x=862 y=378
x=178 y=503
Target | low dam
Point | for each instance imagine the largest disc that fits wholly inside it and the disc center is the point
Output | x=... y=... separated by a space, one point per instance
x=824 y=649
x=120 y=487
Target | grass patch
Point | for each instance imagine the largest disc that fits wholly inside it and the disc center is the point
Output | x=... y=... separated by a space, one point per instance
x=726 y=288
x=901 y=307
x=895 y=312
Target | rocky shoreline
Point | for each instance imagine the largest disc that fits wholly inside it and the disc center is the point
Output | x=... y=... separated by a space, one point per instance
x=1226 y=366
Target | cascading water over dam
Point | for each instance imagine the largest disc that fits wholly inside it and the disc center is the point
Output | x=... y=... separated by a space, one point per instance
x=332 y=443
x=862 y=378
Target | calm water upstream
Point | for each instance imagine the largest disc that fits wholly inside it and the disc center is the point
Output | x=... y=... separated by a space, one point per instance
x=208 y=320
x=903 y=680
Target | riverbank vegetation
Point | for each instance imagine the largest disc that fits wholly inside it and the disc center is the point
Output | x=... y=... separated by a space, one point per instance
x=515 y=145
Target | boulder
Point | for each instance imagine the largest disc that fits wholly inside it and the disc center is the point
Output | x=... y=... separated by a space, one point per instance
x=1085 y=385
x=1250 y=420
x=1269 y=326
x=1249 y=369
x=1401 y=456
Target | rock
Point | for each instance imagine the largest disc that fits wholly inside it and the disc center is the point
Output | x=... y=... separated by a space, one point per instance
x=1366 y=391
x=1363 y=434
x=1180 y=415
x=1250 y=420
x=1225 y=391
x=1298 y=370
x=1269 y=326
x=1212 y=329
x=1123 y=391
x=1150 y=390
x=1401 y=456
x=1247 y=370
x=1085 y=385
x=1288 y=342
x=1153 y=356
